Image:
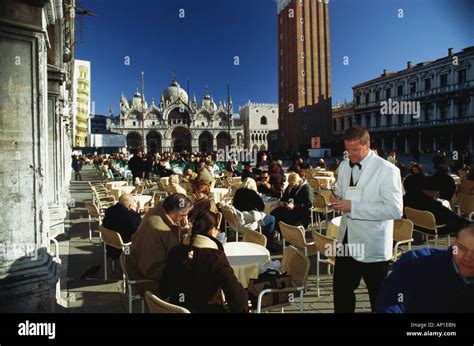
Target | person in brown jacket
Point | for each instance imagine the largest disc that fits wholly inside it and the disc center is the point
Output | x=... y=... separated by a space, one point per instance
x=161 y=229
x=198 y=269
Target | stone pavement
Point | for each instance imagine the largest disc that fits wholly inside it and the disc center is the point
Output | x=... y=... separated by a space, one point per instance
x=83 y=289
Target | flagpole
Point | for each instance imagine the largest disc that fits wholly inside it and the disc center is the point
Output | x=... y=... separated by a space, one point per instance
x=143 y=112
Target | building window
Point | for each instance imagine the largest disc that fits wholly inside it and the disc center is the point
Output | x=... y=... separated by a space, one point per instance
x=444 y=110
x=358 y=100
x=388 y=93
x=427 y=84
x=334 y=125
x=462 y=76
x=443 y=80
x=462 y=109
x=428 y=111
x=367 y=98
x=134 y=123
x=153 y=123
x=377 y=120
x=377 y=95
x=400 y=119
x=412 y=87
x=400 y=90
x=263 y=120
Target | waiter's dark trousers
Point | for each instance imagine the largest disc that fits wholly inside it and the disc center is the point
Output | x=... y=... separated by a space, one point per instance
x=347 y=275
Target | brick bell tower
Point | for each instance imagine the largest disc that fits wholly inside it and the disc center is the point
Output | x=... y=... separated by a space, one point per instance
x=304 y=74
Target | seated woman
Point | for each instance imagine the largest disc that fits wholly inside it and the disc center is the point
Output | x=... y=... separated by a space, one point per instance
x=415 y=198
x=198 y=268
x=203 y=200
x=189 y=175
x=174 y=187
x=246 y=198
x=295 y=203
x=467 y=184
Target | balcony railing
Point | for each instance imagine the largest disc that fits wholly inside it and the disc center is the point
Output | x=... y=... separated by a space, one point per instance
x=420 y=94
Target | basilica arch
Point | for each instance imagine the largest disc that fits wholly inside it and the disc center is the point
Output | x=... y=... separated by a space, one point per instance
x=222 y=140
x=179 y=116
x=153 y=142
x=206 y=141
x=134 y=141
x=181 y=139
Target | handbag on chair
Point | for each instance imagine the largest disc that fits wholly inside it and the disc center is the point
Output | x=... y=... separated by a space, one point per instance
x=269 y=279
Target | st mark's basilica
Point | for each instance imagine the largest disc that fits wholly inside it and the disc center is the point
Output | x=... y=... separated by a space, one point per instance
x=176 y=124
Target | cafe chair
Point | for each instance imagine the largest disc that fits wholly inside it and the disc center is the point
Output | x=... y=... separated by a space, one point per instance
x=320 y=205
x=296 y=265
x=466 y=206
x=113 y=239
x=159 y=306
x=424 y=222
x=129 y=282
x=325 y=246
x=402 y=235
x=255 y=237
x=94 y=215
x=295 y=235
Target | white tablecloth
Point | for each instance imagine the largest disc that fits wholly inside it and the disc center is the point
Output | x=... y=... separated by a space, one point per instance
x=119 y=191
x=142 y=200
x=245 y=259
x=113 y=184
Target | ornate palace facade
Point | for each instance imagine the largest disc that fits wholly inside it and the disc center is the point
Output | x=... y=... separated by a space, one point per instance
x=177 y=124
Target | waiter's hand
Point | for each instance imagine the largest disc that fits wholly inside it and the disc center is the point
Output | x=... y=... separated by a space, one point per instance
x=343 y=205
x=335 y=199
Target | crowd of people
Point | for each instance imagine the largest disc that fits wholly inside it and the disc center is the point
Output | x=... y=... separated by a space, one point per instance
x=175 y=244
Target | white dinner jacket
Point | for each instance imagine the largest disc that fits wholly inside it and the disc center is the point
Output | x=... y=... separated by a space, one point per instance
x=370 y=221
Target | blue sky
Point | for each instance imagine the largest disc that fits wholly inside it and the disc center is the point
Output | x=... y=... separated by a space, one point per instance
x=203 y=44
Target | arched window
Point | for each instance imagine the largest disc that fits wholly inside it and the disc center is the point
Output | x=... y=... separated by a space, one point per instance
x=263 y=120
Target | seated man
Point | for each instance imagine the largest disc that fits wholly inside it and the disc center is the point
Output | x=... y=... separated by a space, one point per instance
x=263 y=184
x=432 y=280
x=161 y=229
x=122 y=218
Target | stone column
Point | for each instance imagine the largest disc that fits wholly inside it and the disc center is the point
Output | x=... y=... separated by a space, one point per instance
x=28 y=273
x=420 y=143
x=451 y=110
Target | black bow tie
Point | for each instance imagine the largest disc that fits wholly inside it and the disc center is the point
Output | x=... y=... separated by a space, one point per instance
x=355 y=164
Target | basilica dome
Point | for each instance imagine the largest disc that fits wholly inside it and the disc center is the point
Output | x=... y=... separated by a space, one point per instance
x=174 y=91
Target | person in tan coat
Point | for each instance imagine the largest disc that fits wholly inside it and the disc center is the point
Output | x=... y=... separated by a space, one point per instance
x=162 y=228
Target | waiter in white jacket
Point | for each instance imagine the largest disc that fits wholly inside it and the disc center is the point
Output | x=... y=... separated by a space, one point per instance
x=369 y=193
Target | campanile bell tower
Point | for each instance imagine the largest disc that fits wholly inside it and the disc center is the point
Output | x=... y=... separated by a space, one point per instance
x=304 y=74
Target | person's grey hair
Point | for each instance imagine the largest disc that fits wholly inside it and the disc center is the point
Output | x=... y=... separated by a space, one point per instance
x=176 y=203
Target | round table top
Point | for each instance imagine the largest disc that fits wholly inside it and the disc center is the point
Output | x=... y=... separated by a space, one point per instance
x=241 y=253
x=112 y=184
x=125 y=189
x=336 y=221
x=142 y=199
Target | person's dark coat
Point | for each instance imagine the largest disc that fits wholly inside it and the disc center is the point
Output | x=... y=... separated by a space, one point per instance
x=428 y=282
x=443 y=183
x=76 y=165
x=122 y=220
x=248 y=174
x=137 y=166
x=195 y=283
x=415 y=198
x=247 y=200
